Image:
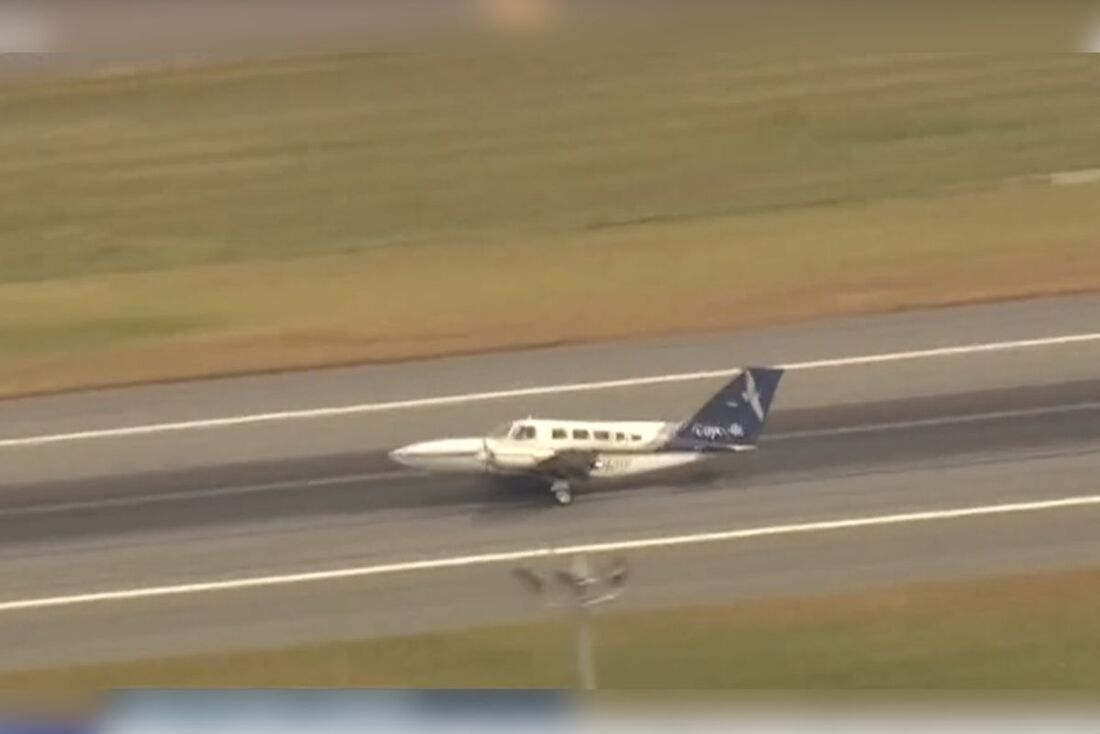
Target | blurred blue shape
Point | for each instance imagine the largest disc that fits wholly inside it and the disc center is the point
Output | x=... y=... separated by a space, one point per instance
x=30 y=726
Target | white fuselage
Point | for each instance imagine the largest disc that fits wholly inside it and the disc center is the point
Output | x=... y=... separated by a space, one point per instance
x=620 y=449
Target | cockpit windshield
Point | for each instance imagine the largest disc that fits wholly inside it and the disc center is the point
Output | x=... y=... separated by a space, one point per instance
x=523 y=432
x=514 y=431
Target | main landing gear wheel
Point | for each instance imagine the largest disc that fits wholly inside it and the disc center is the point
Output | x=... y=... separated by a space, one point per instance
x=562 y=491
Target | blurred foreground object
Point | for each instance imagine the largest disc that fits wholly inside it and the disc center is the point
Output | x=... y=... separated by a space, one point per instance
x=584 y=590
x=519 y=16
x=76 y=36
x=23 y=30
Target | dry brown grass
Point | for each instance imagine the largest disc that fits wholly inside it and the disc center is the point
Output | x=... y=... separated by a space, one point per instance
x=374 y=208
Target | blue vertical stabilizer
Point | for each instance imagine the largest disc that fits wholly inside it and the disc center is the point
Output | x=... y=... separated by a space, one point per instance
x=734 y=417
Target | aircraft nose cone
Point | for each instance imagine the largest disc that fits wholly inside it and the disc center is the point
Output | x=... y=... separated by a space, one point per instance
x=441 y=454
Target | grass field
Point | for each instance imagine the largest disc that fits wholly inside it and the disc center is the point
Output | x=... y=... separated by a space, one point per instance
x=1029 y=632
x=374 y=207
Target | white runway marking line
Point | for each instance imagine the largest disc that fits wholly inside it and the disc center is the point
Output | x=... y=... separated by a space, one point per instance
x=152 y=592
x=346 y=410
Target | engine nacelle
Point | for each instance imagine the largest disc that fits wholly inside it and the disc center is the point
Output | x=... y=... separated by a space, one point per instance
x=502 y=455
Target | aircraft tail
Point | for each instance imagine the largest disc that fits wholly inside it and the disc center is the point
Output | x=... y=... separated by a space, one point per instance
x=734 y=418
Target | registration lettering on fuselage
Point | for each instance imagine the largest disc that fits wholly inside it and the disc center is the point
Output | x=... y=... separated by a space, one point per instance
x=612 y=463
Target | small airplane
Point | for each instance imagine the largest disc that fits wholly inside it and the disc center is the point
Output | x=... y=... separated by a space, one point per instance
x=563 y=453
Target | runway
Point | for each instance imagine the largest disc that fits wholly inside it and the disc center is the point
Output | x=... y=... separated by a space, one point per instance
x=313 y=495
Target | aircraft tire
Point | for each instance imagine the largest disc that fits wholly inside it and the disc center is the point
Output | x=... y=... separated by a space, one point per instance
x=563 y=493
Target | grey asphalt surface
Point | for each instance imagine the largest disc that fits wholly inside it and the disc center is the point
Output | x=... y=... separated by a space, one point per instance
x=310 y=439
x=316 y=494
x=60 y=38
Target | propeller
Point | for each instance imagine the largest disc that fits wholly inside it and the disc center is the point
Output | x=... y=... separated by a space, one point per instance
x=486 y=452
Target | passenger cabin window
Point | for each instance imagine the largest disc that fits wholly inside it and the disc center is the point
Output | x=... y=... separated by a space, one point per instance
x=559 y=433
x=602 y=436
x=580 y=434
x=523 y=433
x=620 y=436
x=635 y=437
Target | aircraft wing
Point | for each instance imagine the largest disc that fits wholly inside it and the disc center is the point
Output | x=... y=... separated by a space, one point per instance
x=570 y=463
